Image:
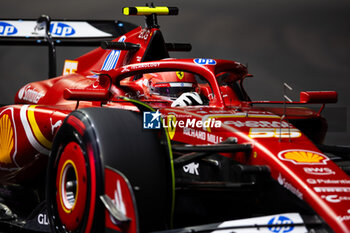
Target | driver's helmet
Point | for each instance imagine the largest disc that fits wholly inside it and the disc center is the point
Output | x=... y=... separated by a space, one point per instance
x=169 y=85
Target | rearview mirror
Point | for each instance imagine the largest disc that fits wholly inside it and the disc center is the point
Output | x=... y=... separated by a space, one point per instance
x=318 y=97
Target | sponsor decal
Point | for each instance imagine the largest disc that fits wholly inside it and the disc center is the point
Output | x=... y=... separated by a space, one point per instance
x=343 y=218
x=7 y=29
x=201 y=135
x=70 y=67
x=57 y=124
x=144 y=34
x=8 y=137
x=180 y=74
x=332 y=189
x=194 y=133
x=145 y=65
x=112 y=58
x=322 y=171
x=43 y=219
x=303 y=157
x=204 y=61
x=119 y=202
x=30 y=94
x=280 y=220
x=273 y=133
x=335 y=198
x=70 y=29
x=282 y=181
x=327 y=181
x=61 y=29
x=287 y=222
x=127 y=70
x=214 y=138
x=258 y=124
x=251 y=114
x=191 y=168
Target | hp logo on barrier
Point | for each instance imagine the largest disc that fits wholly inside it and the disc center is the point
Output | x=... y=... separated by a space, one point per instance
x=280 y=220
x=61 y=29
x=7 y=29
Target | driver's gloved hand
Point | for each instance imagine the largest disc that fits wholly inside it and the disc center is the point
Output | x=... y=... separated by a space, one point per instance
x=186 y=99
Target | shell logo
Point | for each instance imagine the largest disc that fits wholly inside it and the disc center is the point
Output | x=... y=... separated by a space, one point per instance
x=6 y=139
x=303 y=157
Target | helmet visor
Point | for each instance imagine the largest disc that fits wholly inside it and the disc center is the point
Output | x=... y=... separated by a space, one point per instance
x=172 y=90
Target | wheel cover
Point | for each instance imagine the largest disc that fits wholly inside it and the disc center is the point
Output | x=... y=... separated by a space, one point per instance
x=71 y=186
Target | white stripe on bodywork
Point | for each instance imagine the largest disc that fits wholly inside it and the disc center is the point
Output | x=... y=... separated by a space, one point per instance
x=29 y=133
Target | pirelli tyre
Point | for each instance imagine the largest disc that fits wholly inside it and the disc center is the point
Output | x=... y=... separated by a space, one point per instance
x=89 y=141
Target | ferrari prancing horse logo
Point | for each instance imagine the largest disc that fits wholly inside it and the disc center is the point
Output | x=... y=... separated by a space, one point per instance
x=171 y=121
x=180 y=74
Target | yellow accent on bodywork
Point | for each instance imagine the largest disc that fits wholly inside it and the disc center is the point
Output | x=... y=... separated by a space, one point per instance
x=36 y=130
x=6 y=139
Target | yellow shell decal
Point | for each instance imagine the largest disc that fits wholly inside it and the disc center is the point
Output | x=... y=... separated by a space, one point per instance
x=303 y=157
x=6 y=139
x=180 y=74
x=171 y=125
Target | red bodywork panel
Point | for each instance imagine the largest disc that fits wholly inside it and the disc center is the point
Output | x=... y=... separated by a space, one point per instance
x=29 y=126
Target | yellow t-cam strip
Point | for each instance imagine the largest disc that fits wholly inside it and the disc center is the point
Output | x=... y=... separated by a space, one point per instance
x=145 y=10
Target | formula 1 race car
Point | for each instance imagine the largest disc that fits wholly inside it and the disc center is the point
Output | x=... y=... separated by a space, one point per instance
x=131 y=140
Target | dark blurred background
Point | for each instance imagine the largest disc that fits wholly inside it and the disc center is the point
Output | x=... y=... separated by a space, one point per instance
x=303 y=43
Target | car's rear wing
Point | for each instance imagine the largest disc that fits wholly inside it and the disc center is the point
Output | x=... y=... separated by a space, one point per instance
x=63 y=32
x=52 y=33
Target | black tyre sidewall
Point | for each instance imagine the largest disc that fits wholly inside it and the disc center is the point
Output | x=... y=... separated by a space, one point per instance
x=118 y=141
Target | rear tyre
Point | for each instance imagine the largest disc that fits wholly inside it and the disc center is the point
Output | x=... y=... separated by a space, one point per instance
x=87 y=142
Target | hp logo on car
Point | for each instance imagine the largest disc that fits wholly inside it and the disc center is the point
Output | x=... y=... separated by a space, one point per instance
x=204 y=61
x=61 y=29
x=7 y=29
x=280 y=220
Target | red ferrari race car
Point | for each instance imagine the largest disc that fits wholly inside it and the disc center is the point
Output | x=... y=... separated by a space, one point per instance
x=131 y=140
